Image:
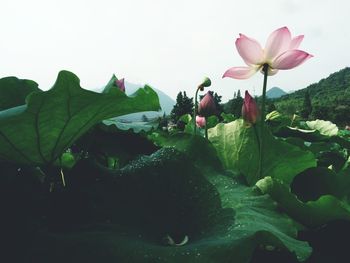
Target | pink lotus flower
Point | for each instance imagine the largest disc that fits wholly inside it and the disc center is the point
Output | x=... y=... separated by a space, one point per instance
x=250 y=111
x=200 y=121
x=120 y=84
x=207 y=105
x=280 y=52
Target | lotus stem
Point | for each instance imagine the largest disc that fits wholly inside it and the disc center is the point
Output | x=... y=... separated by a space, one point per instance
x=200 y=87
x=206 y=129
x=262 y=121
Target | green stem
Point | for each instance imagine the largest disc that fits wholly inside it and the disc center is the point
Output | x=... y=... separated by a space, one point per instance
x=206 y=129
x=195 y=110
x=262 y=121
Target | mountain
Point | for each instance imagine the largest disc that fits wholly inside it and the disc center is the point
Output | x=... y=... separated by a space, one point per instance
x=166 y=102
x=330 y=98
x=275 y=92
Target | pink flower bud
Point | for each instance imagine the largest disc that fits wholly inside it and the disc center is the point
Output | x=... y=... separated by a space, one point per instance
x=250 y=111
x=120 y=84
x=200 y=121
x=207 y=106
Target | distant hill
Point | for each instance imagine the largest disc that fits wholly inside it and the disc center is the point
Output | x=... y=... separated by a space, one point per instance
x=330 y=98
x=275 y=92
x=166 y=102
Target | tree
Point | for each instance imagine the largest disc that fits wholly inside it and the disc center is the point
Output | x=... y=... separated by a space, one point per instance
x=342 y=114
x=218 y=104
x=163 y=122
x=321 y=112
x=270 y=107
x=234 y=106
x=307 y=107
x=238 y=95
x=184 y=105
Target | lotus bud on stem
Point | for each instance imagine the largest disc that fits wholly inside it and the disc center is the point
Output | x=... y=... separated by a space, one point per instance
x=250 y=111
x=205 y=83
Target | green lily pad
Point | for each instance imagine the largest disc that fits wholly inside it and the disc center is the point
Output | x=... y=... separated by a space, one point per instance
x=315 y=182
x=307 y=135
x=312 y=213
x=196 y=148
x=162 y=195
x=227 y=117
x=326 y=128
x=38 y=132
x=237 y=146
x=13 y=91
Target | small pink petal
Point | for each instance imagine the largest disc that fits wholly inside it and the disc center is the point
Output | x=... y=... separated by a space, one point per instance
x=249 y=49
x=277 y=43
x=290 y=59
x=295 y=43
x=240 y=72
x=200 y=121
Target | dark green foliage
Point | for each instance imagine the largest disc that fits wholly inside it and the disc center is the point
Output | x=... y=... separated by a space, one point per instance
x=234 y=105
x=307 y=107
x=270 y=107
x=238 y=95
x=342 y=114
x=184 y=105
x=330 y=99
x=163 y=122
x=321 y=112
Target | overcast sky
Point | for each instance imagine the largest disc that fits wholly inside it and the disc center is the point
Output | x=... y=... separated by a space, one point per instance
x=170 y=45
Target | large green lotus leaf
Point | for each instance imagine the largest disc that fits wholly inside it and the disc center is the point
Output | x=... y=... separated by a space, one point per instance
x=227 y=117
x=276 y=121
x=324 y=127
x=107 y=143
x=165 y=194
x=238 y=148
x=38 y=132
x=311 y=136
x=312 y=213
x=111 y=87
x=344 y=133
x=315 y=182
x=307 y=135
x=195 y=147
x=328 y=153
x=13 y=91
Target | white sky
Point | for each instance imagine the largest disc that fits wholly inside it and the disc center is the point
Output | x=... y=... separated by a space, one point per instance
x=170 y=45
